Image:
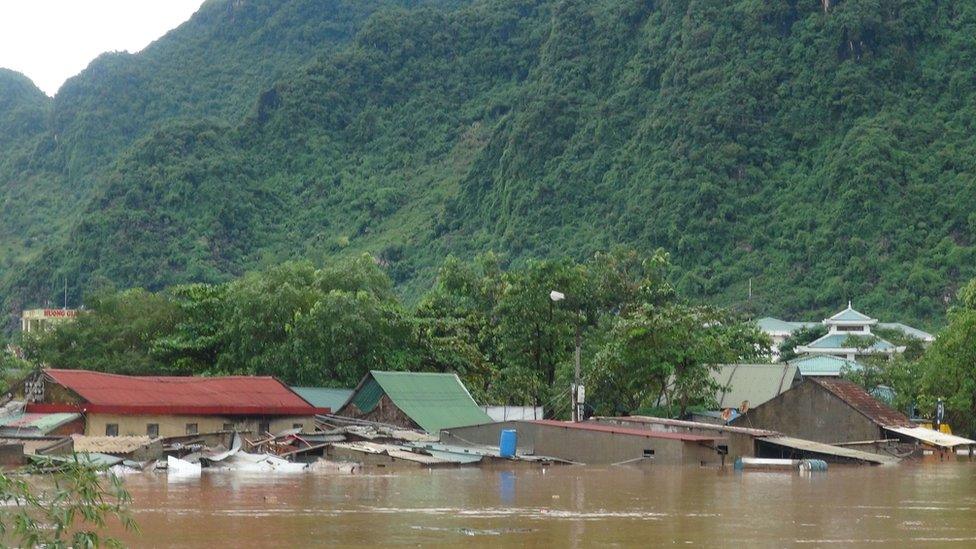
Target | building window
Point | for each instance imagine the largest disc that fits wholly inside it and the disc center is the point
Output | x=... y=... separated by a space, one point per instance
x=263 y=428
x=112 y=429
x=152 y=429
x=648 y=453
x=191 y=428
x=228 y=427
x=297 y=425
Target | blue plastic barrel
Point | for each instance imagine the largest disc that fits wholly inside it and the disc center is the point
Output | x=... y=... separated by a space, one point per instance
x=507 y=443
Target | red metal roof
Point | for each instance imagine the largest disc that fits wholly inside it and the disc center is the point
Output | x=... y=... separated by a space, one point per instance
x=859 y=399
x=236 y=395
x=590 y=426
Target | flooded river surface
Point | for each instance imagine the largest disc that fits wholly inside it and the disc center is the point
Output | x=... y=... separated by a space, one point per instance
x=907 y=505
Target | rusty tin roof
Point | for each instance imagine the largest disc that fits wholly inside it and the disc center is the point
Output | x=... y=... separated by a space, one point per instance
x=856 y=397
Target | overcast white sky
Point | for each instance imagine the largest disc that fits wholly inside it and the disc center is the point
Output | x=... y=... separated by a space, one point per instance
x=52 y=40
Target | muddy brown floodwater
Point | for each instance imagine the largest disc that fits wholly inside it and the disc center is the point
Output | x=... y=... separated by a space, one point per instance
x=910 y=505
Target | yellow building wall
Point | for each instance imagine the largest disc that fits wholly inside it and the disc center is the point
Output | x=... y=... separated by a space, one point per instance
x=173 y=426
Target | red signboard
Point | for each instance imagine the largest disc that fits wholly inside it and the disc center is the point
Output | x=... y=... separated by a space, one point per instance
x=60 y=313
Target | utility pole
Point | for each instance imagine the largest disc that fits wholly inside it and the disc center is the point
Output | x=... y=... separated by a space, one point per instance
x=577 y=389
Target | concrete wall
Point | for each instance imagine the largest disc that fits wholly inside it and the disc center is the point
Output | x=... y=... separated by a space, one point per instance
x=811 y=412
x=738 y=444
x=585 y=446
x=172 y=426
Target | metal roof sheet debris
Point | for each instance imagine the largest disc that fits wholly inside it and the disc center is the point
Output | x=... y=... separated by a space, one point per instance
x=110 y=445
x=650 y=420
x=394 y=451
x=827 y=449
x=929 y=436
x=37 y=423
x=92 y=458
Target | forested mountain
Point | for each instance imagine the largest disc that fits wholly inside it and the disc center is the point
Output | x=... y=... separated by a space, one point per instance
x=56 y=153
x=822 y=150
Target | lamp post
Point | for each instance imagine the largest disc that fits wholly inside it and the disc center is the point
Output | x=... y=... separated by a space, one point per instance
x=576 y=390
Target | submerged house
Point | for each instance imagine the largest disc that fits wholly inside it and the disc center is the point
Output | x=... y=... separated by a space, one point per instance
x=595 y=443
x=414 y=400
x=840 y=412
x=642 y=440
x=165 y=406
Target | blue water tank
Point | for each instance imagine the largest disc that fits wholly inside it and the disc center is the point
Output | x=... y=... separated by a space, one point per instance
x=507 y=443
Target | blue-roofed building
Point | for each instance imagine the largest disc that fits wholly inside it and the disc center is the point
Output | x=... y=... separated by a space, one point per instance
x=848 y=336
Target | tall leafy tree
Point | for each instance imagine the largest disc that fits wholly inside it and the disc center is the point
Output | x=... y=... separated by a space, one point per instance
x=666 y=353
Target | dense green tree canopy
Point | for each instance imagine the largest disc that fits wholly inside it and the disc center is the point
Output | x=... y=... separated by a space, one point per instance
x=495 y=326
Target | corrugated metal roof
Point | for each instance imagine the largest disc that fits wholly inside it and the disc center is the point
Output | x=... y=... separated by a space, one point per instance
x=907 y=330
x=433 y=401
x=827 y=449
x=237 y=395
x=850 y=315
x=839 y=341
x=770 y=324
x=324 y=397
x=43 y=423
x=367 y=395
x=859 y=399
x=824 y=365
x=752 y=383
x=398 y=452
x=935 y=438
x=591 y=426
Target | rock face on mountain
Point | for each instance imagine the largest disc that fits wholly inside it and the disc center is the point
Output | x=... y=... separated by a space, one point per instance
x=814 y=154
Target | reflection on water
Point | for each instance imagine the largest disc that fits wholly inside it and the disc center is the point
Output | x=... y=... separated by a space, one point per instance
x=930 y=504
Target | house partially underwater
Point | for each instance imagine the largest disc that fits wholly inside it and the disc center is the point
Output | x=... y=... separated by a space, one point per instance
x=839 y=412
x=414 y=400
x=99 y=404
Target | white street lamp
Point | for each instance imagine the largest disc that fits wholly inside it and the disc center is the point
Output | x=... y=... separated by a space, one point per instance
x=577 y=389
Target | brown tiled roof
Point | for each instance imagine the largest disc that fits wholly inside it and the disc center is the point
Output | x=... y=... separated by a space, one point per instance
x=859 y=399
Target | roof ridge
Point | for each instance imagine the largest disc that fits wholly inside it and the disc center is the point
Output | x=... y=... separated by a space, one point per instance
x=154 y=377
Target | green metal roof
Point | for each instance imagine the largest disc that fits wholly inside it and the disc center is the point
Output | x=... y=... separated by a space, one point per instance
x=324 y=397
x=770 y=324
x=850 y=315
x=433 y=401
x=367 y=396
x=839 y=341
x=824 y=365
x=752 y=383
x=907 y=330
